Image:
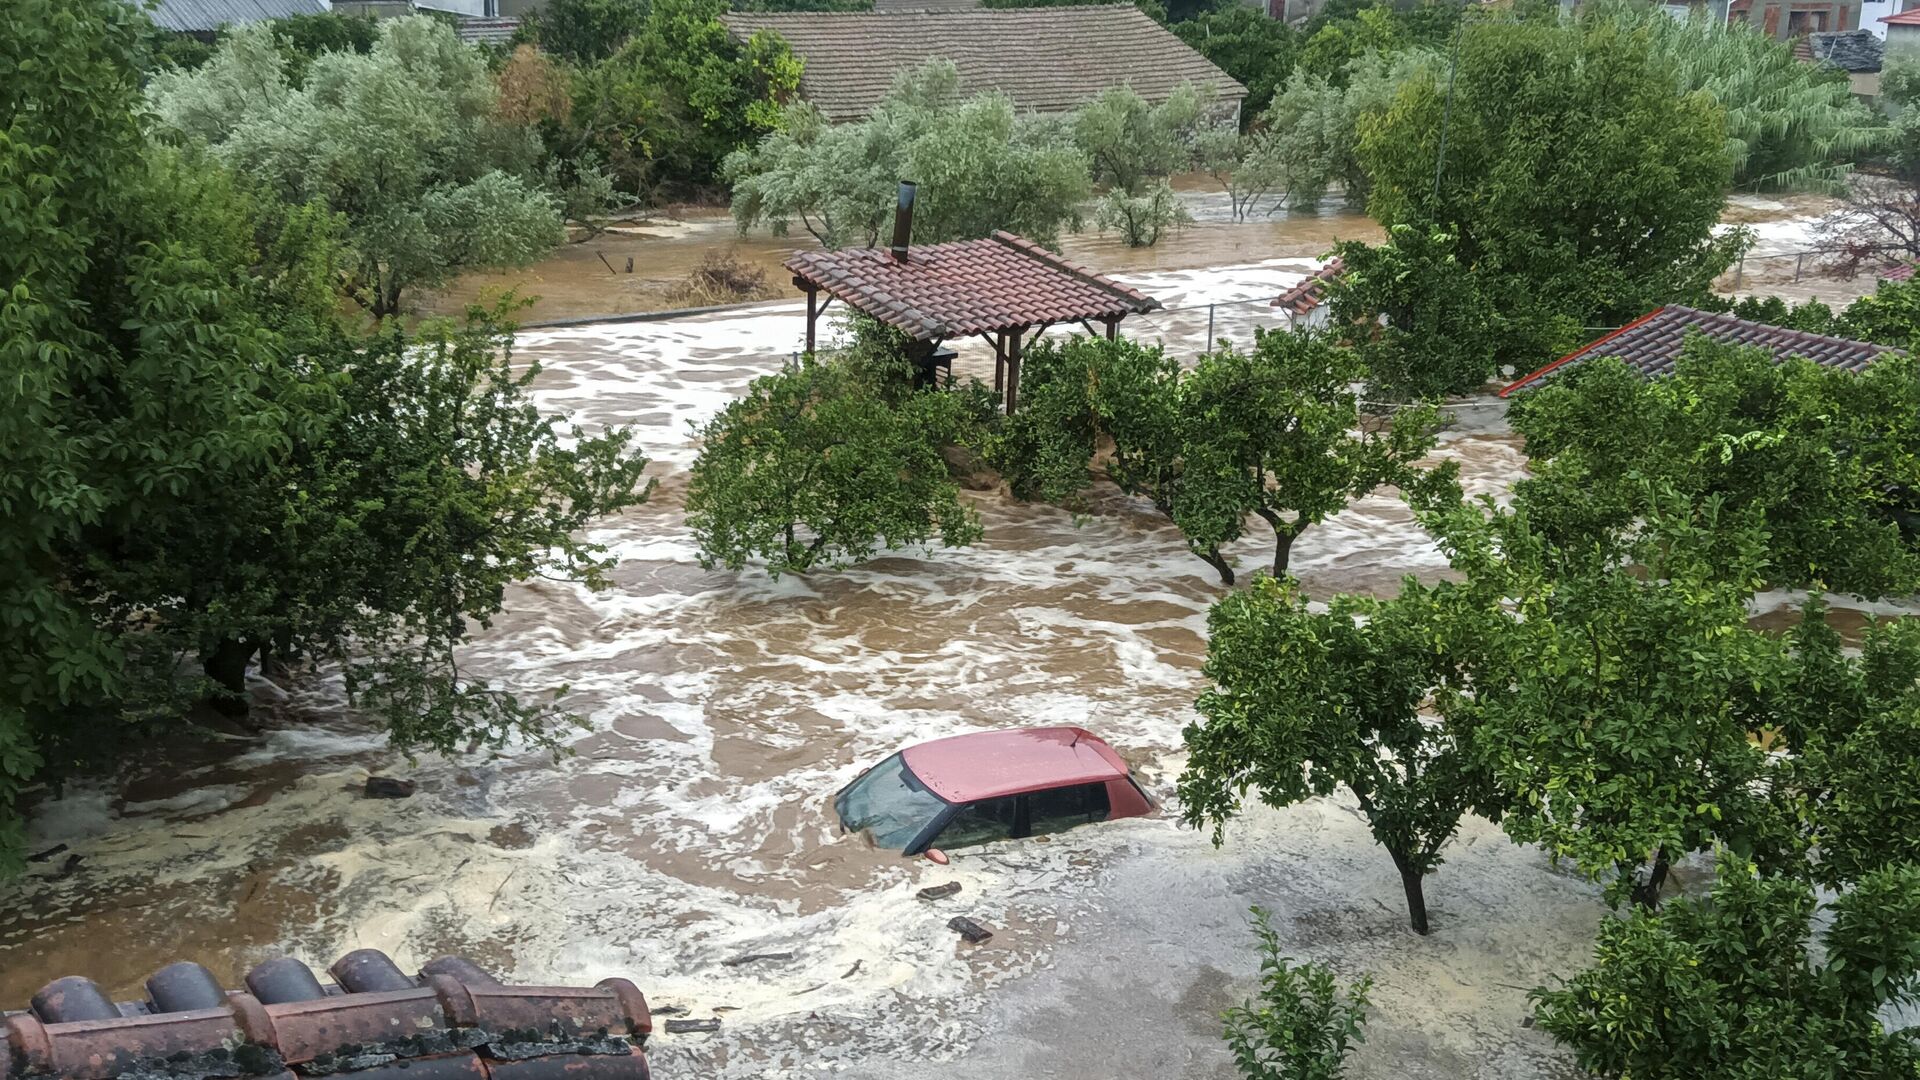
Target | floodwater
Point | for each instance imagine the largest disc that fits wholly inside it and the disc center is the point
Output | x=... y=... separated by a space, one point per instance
x=635 y=268
x=689 y=823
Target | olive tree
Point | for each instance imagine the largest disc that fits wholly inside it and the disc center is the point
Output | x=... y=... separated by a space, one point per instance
x=403 y=142
x=981 y=166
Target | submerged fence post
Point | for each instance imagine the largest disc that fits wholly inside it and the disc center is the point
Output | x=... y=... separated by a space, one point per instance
x=1209 y=344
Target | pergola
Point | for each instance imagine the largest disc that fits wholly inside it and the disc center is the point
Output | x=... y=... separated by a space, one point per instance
x=1005 y=289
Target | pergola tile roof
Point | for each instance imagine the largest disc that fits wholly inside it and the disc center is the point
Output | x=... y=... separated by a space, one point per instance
x=1309 y=292
x=1652 y=344
x=968 y=287
x=1898 y=272
x=1047 y=59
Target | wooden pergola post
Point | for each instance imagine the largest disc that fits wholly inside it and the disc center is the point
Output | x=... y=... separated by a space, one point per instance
x=999 y=340
x=813 y=315
x=1113 y=326
x=1013 y=368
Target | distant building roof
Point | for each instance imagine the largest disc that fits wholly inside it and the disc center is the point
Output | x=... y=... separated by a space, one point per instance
x=1653 y=342
x=1857 y=52
x=201 y=16
x=491 y=31
x=1905 y=18
x=1048 y=60
x=969 y=287
x=895 y=6
x=1898 y=272
x=1309 y=292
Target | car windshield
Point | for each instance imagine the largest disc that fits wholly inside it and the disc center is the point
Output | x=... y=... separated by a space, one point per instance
x=889 y=802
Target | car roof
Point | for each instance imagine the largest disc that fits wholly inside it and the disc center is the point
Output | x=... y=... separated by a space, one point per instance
x=990 y=764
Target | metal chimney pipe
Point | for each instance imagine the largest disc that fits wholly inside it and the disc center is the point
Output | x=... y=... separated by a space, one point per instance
x=903 y=220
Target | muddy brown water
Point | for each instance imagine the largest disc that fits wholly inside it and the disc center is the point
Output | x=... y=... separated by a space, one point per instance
x=689 y=822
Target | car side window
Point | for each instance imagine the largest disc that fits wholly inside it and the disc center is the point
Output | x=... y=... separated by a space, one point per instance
x=1064 y=807
x=980 y=822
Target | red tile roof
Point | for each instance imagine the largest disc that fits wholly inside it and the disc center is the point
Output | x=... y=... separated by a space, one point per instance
x=1900 y=272
x=1311 y=291
x=968 y=287
x=1652 y=343
x=1905 y=18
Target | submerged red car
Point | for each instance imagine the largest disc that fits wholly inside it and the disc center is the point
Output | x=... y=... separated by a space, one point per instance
x=987 y=786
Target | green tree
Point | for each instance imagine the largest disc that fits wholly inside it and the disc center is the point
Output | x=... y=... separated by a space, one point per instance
x=1419 y=320
x=1301 y=1026
x=302 y=38
x=136 y=374
x=1619 y=700
x=584 y=32
x=1583 y=190
x=1305 y=702
x=1314 y=124
x=825 y=464
x=980 y=166
x=1789 y=124
x=1248 y=167
x=1852 y=725
x=1254 y=48
x=403 y=142
x=1274 y=433
x=1828 y=459
x=1130 y=142
x=1142 y=219
x=1730 y=988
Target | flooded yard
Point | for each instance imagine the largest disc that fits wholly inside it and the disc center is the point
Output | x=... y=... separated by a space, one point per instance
x=689 y=825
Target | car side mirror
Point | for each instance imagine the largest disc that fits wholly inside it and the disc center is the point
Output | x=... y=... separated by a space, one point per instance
x=936 y=856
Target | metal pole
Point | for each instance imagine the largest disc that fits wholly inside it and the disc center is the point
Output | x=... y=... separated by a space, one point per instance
x=1209 y=347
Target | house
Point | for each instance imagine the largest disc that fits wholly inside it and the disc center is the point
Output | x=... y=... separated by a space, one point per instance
x=1048 y=60
x=1304 y=303
x=1903 y=30
x=1856 y=52
x=202 y=18
x=1651 y=344
x=1786 y=19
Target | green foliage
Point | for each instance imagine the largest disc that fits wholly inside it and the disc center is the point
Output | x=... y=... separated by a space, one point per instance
x=1129 y=142
x=1273 y=433
x=403 y=142
x=135 y=370
x=1419 y=320
x=825 y=464
x=1789 y=124
x=1829 y=460
x=1305 y=702
x=1900 y=89
x=980 y=165
x=1889 y=315
x=1812 y=316
x=1248 y=166
x=1616 y=702
x=1142 y=219
x=1344 y=33
x=303 y=38
x=1245 y=42
x=1314 y=124
x=584 y=32
x=202 y=467
x=1730 y=988
x=1583 y=190
x=1852 y=723
x=1301 y=1026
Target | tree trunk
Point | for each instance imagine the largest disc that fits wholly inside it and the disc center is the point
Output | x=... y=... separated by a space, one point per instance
x=1414 y=883
x=1213 y=558
x=1647 y=893
x=1282 y=551
x=226 y=665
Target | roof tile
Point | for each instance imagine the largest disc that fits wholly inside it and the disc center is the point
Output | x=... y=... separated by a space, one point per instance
x=1652 y=343
x=968 y=287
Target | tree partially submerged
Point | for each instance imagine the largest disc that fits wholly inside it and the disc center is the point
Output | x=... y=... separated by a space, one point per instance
x=403 y=142
x=1274 y=433
x=1306 y=702
x=1415 y=314
x=1732 y=987
x=981 y=165
x=825 y=464
x=1828 y=459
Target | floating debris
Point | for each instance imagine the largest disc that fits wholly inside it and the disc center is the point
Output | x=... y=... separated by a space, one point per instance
x=387 y=787
x=939 y=892
x=972 y=931
x=693 y=1027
